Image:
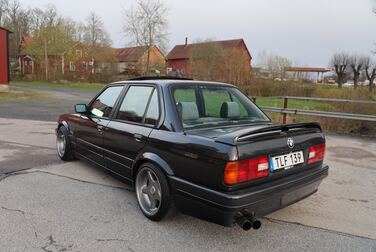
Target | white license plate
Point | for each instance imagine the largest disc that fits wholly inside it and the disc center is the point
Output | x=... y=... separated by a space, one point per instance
x=286 y=161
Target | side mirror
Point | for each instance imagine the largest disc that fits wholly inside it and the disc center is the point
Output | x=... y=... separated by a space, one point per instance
x=80 y=108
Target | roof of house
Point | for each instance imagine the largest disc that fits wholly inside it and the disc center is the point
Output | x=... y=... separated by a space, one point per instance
x=183 y=51
x=2 y=28
x=132 y=54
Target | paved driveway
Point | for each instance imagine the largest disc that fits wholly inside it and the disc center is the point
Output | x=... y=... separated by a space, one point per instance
x=57 y=101
x=57 y=206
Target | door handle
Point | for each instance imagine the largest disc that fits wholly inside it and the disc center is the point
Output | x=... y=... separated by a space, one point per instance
x=100 y=128
x=137 y=137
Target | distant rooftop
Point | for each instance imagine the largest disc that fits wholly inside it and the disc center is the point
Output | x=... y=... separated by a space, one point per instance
x=183 y=51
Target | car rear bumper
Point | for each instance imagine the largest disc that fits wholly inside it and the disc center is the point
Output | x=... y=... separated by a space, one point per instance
x=223 y=207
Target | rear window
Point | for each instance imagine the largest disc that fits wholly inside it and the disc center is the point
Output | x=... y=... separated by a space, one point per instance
x=201 y=106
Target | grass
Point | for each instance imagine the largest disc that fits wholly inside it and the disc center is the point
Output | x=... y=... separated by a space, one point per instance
x=213 y=100
x=22 y=94
x=73 y=85
x=297 y=104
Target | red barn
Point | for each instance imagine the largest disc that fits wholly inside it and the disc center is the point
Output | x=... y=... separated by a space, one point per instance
x=179 y=59
x=4 y=59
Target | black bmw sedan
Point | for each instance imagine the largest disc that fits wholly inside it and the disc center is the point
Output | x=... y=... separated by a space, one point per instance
x=203 y=147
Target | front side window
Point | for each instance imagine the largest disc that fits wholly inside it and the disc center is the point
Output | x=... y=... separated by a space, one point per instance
x=135 y=104
x=104 y=103
x=208 y=105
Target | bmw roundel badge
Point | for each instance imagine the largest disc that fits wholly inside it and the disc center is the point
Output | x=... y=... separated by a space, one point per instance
x=290 y=143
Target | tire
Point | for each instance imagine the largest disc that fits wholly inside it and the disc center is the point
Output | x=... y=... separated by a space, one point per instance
x=149 y=176
x=63 y=145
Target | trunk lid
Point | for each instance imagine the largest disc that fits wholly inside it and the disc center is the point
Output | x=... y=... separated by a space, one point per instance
x=271 y=140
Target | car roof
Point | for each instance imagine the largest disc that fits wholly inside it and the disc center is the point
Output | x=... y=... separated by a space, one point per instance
x=167 y=82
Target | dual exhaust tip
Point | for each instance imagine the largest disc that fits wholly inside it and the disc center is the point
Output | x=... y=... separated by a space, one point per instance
x=247 y=222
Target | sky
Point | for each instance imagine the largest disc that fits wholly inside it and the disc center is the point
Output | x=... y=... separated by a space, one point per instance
x=308 y=32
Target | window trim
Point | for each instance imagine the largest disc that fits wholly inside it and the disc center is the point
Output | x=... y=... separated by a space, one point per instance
x=142 y=123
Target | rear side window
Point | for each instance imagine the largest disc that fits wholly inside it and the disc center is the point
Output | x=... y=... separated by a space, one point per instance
x=152 y=115
x=104 y=103
x=135 y=103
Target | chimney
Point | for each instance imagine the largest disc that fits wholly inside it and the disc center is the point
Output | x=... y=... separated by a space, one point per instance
x=186 y=40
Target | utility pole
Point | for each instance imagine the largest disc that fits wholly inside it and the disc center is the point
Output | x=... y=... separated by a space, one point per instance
x=46 y=58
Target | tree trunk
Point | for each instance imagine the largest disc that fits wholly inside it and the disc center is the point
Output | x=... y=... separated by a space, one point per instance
x=340 y=80
x=149 y=48
x=370 y=85
x=356 y=79
x=46 y=58
x=148 y=61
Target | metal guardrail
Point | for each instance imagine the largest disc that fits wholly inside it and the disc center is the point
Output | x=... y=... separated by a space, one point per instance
x=285 y=110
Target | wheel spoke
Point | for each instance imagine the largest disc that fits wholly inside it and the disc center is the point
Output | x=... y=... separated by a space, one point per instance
x=158 y=195
x=153 y=202
x=144 y=189
x=150 y=177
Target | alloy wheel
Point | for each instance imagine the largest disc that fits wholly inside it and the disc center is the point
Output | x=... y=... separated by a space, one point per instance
x=148 y=189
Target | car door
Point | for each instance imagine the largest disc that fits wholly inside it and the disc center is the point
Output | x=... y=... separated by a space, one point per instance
x=128 y=132
x=89 y=132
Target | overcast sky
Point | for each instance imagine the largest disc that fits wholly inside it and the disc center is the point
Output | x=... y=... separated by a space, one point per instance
x=306 y=31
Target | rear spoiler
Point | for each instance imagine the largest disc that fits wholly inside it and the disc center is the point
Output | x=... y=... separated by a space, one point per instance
x=247 y=134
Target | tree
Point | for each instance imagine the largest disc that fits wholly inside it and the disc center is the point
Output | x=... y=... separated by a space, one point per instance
x=370 y=70
x=210 y=60
x=3 y=9
x=80 y=32
x=97 y=39
x=205 y=60
x=146 y=25
x=275 y=64
x=356 y=64
x=340 y=63
x=16 y=19
x=95 y=34
x=53 y=35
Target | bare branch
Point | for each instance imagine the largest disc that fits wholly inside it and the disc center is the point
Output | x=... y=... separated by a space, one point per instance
x=146 y=24
x=340 y=62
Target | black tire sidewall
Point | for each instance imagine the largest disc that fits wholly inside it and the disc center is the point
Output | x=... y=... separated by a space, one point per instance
x=166 y=201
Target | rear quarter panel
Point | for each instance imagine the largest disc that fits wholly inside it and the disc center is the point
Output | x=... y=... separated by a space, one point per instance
x=196 y=159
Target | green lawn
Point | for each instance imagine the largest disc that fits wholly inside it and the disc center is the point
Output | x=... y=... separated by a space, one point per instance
x=73 y=85
x=298 y=104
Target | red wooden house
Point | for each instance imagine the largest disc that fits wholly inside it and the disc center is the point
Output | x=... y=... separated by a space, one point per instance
x=74 y=63
x=77 y=62
x=178 y=59
x=4 y=59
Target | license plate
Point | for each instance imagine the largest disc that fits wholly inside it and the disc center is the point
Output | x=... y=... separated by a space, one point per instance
x=286 y=161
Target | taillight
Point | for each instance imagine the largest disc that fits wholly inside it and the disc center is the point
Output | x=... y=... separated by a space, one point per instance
x=244 y=170
x=316 y=153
